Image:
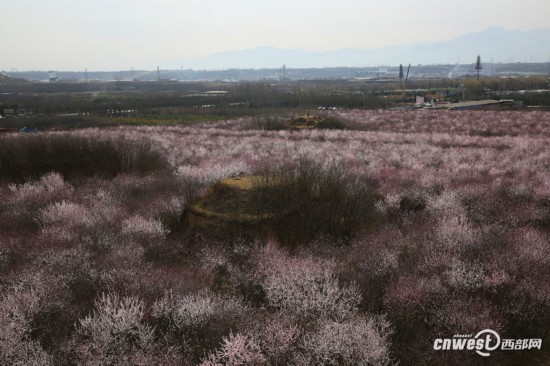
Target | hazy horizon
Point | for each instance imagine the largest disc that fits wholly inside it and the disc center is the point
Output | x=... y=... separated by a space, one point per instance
x=111 y=35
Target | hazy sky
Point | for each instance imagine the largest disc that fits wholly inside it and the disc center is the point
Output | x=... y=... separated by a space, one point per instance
x=120 y=34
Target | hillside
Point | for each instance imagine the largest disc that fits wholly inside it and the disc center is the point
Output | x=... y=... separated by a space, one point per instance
x=7 y=81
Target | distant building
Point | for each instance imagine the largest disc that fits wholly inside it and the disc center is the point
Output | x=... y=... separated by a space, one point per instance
x=15 y=112
x=8 y=112
x=52 y=76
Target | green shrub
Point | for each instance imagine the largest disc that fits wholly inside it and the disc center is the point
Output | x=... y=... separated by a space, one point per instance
x=30 y=156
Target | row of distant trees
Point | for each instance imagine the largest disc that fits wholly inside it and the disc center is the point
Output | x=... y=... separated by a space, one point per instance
x=243 y=98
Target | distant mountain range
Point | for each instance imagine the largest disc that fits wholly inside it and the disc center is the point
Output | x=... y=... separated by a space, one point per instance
x=496 y=43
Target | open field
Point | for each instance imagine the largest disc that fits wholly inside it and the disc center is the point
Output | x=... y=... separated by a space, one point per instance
x=390 y=231
x=63 y=105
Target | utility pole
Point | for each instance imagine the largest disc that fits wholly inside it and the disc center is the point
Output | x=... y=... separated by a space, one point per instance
x=158 y=73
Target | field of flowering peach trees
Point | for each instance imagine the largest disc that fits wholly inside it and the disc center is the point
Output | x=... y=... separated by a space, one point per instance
x=98 y=266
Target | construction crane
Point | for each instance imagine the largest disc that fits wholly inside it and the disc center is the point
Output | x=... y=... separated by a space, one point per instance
x=405 y=85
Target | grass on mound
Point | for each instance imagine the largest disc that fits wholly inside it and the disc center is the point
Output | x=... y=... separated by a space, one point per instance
x=233 y=200
x=296 y=203
x=227 y=210
x=25 y=157
x=314 y=121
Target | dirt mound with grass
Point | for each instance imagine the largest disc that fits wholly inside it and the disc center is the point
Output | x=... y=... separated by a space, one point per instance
x=310 y=121
x=229 y=207
x=305 y=121
x=294 y=203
